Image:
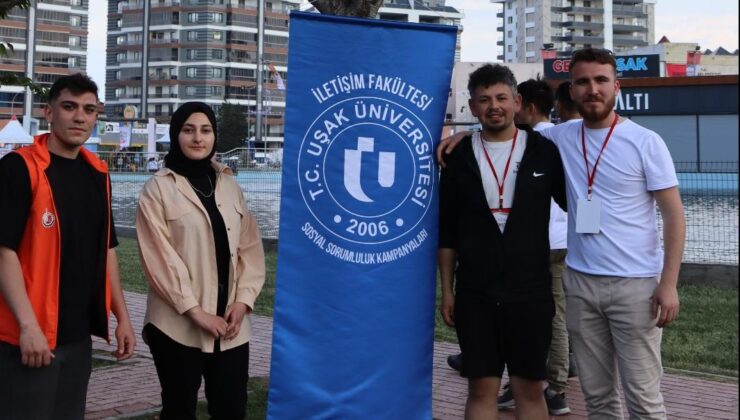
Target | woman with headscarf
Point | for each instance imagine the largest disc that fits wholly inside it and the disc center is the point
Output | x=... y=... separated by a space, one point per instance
x=202 y=255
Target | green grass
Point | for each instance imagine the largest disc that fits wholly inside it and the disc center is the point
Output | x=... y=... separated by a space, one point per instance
x=256 y=403
x=133 y=279
x=703 y=339
x=132 y=276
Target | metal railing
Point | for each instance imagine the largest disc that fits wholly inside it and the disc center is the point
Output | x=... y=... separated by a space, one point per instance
x=710 y=198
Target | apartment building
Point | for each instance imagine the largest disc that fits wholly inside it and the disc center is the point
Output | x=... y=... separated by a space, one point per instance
x=526 y=27
x=60 y=32
x=423 y=11
x=203 y=50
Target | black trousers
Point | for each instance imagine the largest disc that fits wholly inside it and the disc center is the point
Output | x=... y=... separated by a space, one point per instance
x=180 y=369
x=57 y=391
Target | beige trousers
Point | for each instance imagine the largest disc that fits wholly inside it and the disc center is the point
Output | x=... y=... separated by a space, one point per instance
x=612 y=331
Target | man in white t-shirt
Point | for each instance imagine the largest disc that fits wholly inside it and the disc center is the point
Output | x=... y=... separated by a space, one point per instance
x=620 y=285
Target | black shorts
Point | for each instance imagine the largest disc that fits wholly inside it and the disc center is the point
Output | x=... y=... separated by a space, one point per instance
x=512 y=335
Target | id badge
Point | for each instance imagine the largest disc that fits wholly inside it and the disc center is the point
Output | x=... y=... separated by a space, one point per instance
x=588 y=218
x=501 y=218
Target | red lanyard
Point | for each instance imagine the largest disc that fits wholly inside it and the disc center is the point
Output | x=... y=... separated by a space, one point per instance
x=500 y=185
x=590 y=176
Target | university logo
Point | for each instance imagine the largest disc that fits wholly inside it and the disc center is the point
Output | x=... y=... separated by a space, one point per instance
x=366 y=171
x=47 y=219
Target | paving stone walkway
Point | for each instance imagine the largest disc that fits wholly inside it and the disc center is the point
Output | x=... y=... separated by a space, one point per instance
x=131 y=387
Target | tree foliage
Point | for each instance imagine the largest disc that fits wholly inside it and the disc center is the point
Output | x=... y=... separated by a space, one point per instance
x=6 y=48
x=232 y=127
x=5 y=6
x=356 y=8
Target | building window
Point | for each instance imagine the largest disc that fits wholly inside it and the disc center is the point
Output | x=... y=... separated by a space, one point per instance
x=73 y=62
x=191 y=72
x=509 y=48
x=192 y=35
x=121 y=39
x=218 y=72
x=509 y=19
x=217 y=54
x=193 y=17
x=75 y=2
x=217 y=36
x=509 y=34
x=74 y=20
x=74 y=41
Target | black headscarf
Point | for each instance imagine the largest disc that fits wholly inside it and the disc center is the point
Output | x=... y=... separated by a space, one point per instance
x=175 y=159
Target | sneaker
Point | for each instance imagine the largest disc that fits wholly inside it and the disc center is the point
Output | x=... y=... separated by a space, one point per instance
x=556 y=403
x=455 y=361
x=506 y=400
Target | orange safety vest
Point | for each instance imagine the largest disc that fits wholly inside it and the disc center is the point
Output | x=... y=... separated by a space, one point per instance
x=39 y=251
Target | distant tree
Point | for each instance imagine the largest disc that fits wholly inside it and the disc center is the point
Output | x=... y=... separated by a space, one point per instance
x=356 y=8
x=6 y=48
x=232 y=127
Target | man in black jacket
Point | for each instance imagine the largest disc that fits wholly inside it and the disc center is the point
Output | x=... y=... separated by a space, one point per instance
x=495 y=196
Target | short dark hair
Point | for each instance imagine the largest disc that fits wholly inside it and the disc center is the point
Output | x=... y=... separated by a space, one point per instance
x=77 y=83
x=591 y=55
x=489 y=75
x=562 y=95
x=537 y=92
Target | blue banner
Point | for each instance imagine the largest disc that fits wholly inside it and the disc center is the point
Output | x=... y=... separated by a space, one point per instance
x=354 y=304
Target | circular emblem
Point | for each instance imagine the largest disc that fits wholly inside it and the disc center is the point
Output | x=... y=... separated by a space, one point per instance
x=47 y=219
x=366 y=170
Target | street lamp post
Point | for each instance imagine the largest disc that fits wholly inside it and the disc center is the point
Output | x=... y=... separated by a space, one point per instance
x=12 y=102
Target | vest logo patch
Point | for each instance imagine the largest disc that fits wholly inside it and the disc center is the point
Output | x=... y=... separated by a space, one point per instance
x=48 y=219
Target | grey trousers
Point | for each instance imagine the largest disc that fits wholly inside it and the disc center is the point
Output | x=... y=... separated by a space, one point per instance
x=612 y=330
x=58 y=391
x=558 y=361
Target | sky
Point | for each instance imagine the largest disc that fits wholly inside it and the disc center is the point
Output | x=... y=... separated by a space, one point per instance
x=711 y=25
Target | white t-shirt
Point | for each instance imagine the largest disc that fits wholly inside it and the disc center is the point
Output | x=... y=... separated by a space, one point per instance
x=558 y=218
x=499 y=154
x=635 y=162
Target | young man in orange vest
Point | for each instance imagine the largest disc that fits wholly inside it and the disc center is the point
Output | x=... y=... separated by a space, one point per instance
x=59 y=276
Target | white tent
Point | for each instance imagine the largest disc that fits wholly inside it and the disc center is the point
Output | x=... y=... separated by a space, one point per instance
x=13 y=133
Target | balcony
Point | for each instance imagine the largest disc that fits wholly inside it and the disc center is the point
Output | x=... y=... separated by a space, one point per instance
x=574 y=10
x=580 y=39
x=160 y=41
x=155 y=76
x=579 y=25
x=629 y=28
x=637 y=12
x=621 y=41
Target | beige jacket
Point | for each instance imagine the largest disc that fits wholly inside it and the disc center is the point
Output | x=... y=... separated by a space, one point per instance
x=178 y=254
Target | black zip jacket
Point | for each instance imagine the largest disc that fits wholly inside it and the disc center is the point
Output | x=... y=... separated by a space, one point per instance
x=513 y=266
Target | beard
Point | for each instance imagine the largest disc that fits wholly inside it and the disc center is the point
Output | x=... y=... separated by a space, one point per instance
x=591 y=114
x=496 y=127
